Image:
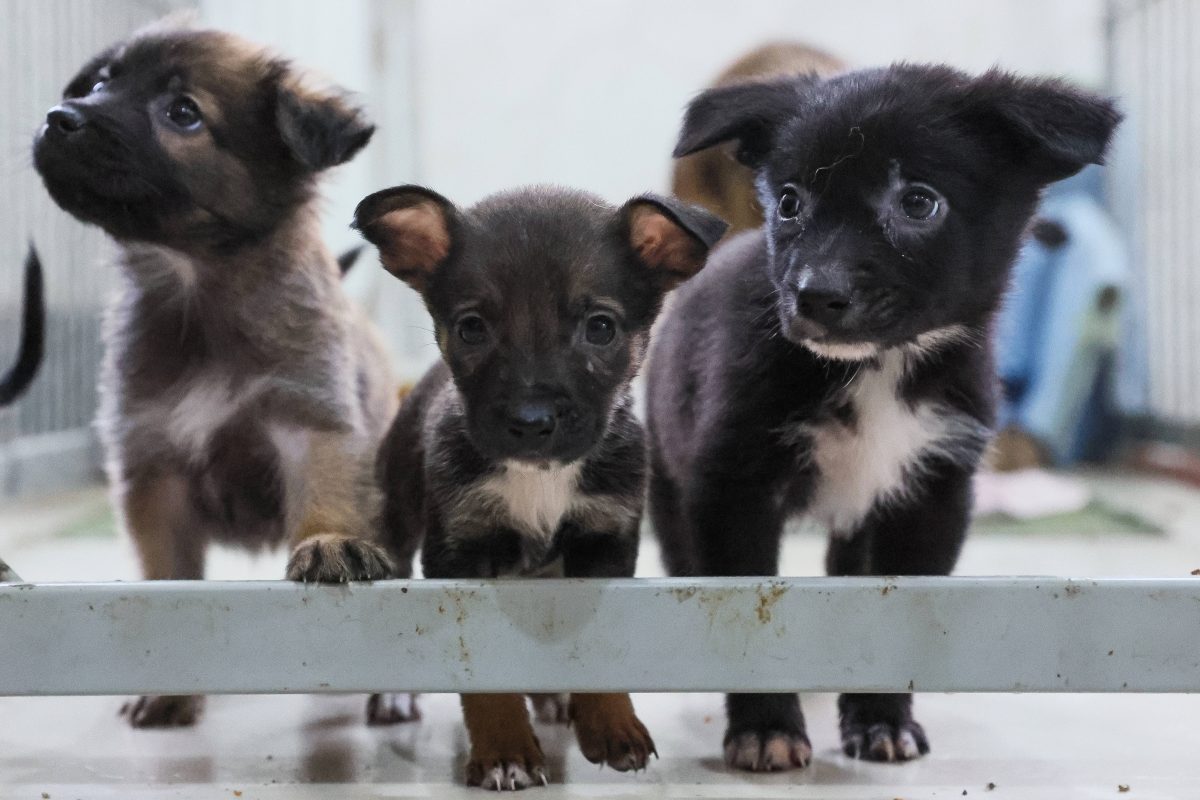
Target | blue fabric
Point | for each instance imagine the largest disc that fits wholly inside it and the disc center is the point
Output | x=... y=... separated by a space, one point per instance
x=1061 y=328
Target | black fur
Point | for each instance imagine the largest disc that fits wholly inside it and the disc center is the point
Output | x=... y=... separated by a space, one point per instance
x=532 y=271
x=852 y=316
x=33 y=334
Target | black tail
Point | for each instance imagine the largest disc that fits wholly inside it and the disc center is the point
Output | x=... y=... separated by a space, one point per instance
x=33 y=334
x=346 y=260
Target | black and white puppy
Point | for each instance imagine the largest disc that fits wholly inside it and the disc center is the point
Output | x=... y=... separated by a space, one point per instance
x=836 y=363
x=519 y=454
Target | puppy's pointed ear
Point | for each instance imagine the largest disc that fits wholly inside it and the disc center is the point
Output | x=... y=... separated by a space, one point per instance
x=669 y=236
x=747 y=113
x=1052 y=128
x=413 y=228
x=321 y=129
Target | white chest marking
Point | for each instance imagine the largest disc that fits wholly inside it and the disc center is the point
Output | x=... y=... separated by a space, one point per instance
x=534 y=500
x=206 y=404
x=876 y=457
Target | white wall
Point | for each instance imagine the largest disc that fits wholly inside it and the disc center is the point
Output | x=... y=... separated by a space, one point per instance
x=590 y=92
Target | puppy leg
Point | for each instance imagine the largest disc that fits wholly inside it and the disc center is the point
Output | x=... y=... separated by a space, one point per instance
x=606 y=726
x=737 y=532
x=332 y=541
x=505 y=753
x=156 y=512
x=609 y=731
x=921 y=537
x=550 y=708
x=331 y=492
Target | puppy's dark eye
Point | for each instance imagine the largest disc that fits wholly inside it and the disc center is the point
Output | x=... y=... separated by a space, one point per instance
x=600 y=329
x=919 y=204
x=472 y=329
x=789 y=204
x=183 y=112
x=97 y=86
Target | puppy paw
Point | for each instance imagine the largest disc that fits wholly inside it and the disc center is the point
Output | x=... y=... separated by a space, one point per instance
x=880 y=727
x=551 y=709
x=508 y=770
x=392 y=708
x=767 y=751
x=610 y=733
x=883 y=741
x=163 y=710
x=334 y=558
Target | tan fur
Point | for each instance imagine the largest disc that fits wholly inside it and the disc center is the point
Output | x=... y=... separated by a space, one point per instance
x=503 y=745
x=609 y=731
x=663 y=245
x=712 y=178
x=417 y=243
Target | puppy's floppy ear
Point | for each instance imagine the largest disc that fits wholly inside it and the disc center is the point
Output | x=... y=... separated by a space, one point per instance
x=669 y=236
x=747 y=113
x=1056 y=129
x=412 y=226
x=322 y=130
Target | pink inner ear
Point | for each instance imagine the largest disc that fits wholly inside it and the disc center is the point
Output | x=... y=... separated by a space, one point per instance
x=413 y=240
x=662 y=244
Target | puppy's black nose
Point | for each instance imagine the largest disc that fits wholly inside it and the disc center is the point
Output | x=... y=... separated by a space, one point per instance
x=825 y=307
x=67 y=119
x=532 y=422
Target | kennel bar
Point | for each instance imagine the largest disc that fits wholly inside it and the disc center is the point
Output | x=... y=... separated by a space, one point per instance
x=661 y=635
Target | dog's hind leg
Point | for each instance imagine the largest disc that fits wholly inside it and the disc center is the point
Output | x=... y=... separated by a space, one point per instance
x=918 y=536
x=505 y=752
x=157 y=513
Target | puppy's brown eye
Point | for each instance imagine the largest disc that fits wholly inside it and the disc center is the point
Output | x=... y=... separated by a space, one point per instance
x=789 y=204
x=600 y=329
x=472 y=330
x=184 y=113
x=919 y=204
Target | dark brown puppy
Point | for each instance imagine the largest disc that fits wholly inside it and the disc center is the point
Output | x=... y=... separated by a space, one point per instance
x=713 y=178
x=242 y=397
x=519 y=454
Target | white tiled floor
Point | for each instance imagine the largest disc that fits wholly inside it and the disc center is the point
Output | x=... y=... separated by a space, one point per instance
x=301 y=747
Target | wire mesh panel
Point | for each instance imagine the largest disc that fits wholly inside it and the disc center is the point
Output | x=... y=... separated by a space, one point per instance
x=46 y=440
x=1156 y=183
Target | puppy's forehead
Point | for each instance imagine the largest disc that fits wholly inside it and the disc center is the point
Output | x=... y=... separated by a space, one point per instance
x=528 y=244
x=861 y=125
x=208 y=59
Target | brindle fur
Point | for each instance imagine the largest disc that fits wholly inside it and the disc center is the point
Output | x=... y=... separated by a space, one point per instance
x=242 y=397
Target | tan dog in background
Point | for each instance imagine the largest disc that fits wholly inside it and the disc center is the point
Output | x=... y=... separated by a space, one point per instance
x=712 y=178
x=242 y=397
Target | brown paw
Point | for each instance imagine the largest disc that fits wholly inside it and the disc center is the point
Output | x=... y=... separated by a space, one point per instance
x=509 y=770
x=163 y=710
x=609 y=732
x=768 y=751
x=333 y=558
x=551 y=709
x=391 y=708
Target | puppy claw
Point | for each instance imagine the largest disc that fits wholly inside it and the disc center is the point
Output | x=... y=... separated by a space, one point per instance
x=392 y=708
x=885 y=742
x=163 y=711
x=334 y=558
x=505 y=776
x=768 y=751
